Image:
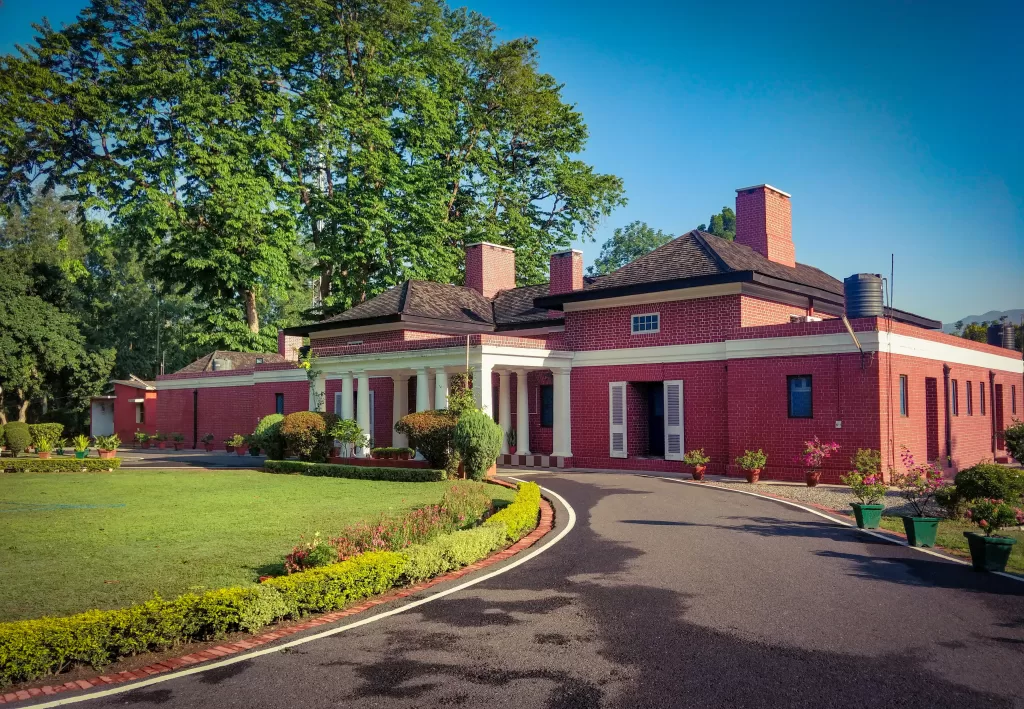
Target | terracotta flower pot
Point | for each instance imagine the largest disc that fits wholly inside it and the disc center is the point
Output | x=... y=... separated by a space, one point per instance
x=229 y=448
x=44 y=455
x=162 y=445
x=208 y=447
x=240 y=450
x=107 y=454
x=146 y=444
x=698 y=472
x=405 y=455
x=752 y=475
x=813 y=478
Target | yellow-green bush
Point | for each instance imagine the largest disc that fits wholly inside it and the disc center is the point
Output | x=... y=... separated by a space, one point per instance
x=451 y=551
x=520 y=517
x=58 y=465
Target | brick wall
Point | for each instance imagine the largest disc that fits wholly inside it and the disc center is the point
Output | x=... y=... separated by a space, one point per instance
x=682 y=322
x=757 y=311
x=124 y=412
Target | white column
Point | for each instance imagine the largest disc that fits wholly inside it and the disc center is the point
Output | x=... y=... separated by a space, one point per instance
x=431 y=390
x=562 y=429
x=504 y=409
x=346 y=396
x=399 y=408
x=482 y=387
x=441 y=389
x=318 y=393
x=422 y=390
x=363 y=410
x=522 y=414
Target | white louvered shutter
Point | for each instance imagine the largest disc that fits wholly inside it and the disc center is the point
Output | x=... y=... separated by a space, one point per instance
x=673 y=420
x=617 y=419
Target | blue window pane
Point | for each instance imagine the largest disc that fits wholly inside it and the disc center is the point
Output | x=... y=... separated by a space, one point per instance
x=279 y=403
x=547 y=406
x=800 y=401
x=645 y=323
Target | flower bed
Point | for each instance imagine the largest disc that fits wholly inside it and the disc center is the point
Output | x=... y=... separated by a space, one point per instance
x=33 y=648
x=58 y=465
x=356 y=472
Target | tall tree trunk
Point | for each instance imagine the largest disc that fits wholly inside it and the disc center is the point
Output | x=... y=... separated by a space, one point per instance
x=252 y=318
x=326 y=274
x=23 y=407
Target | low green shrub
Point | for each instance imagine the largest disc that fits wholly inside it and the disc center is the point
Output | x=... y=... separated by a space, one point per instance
x=1015 y=440
x=355 y=472
x=267 y=435
x=520 y=517
x=478 y=440
x=307 y=434
x=990 y=480
x=18 y=436
x=50 y=431
x=949 y=499
x=451 y=551
x=58 y=465
x=432 y=434
x=329 y=587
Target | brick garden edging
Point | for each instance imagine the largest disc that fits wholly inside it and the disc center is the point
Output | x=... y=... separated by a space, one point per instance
x=544 y=525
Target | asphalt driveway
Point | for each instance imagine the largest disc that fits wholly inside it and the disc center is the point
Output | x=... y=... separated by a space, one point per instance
x=664 y=595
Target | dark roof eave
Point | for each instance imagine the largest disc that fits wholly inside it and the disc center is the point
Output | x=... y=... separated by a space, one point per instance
x=555 y=302
x=531 y=325
x=429 y=323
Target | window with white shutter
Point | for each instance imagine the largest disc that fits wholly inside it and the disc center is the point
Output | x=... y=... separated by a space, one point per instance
x=673 y=420
x=617 y=419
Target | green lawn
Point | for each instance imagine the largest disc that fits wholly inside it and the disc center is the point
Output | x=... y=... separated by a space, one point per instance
x=951 y=536
x=75 y=541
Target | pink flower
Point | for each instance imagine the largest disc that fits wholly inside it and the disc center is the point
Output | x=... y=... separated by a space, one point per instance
x=983 y=523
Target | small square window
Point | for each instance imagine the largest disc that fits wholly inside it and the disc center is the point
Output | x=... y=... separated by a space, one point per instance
x=954 y=392
x=547 y=405
x=646 y=323
x=903 y=395
x=801 y=405
x=279 y=403
x=259 y=360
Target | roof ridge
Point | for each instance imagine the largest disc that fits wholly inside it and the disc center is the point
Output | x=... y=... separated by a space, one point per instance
x=710 y=250
x=406 y=288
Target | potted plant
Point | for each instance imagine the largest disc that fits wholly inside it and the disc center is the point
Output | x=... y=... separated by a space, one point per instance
x=510 y=437
x=405 y=453
x=698 y=460
x=918 y=485
x=867 y=484
x=752 y=463
x=61 y=445
x=253 y=441
x=108 y=445
x=378 y=453
x=81 y=444
x=142 y=438
x=348 y=433
x=207 y=441
x=44 y=446
x=161 y=440
x=236 y=443
x=814 y=455
x=989 y=551
x=178 y=439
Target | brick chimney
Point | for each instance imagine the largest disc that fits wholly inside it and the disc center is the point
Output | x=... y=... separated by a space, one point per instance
x=566 y=272
x=764 y=222
x=490 y=268
x=288 y=346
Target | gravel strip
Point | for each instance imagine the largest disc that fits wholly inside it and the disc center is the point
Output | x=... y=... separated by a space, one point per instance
x=831 y=496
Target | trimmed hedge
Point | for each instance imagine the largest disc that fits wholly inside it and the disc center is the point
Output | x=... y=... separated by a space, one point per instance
x=355 y=472
x=520 y=517
x=58 y=465
x=990 y=480
x=478 y=440
x=34 y=648
x=52 y=432
x=18 y=436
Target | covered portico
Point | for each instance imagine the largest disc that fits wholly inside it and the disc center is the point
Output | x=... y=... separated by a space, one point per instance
x=489 y=365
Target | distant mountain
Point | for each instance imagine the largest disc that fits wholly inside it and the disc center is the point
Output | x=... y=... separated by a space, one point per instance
x=1013 y=315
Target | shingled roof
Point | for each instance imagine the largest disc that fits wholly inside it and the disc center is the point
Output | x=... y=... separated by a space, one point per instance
x=236 y=360
x=699 y=254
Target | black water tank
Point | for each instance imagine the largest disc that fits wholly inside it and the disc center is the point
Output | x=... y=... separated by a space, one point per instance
x=863 y=293
x=1008 y=336
x=994 y=335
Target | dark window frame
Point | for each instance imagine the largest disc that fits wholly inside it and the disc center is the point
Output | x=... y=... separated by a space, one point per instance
x=981 y=397
x=789 y=395
x=1013 y=398
x=279 y=403
x=546 y=406
x=904 y=396
x=954 y=393
x=970 y=398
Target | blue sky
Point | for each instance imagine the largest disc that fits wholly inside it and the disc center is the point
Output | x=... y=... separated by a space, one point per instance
x=896 y=126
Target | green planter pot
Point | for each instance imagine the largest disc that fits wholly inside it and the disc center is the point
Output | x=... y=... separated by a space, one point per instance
x=921 y=531
x=81 y=454
x=868 y=516
x=989 y=553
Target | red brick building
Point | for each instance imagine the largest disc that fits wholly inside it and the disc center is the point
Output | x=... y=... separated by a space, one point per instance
x=703 y=343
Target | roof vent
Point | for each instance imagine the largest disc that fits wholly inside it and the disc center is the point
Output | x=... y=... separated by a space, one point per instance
x=220 y=365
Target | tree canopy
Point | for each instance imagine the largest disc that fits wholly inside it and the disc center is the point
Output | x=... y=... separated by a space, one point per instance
x=722 y=224
x=627 y=244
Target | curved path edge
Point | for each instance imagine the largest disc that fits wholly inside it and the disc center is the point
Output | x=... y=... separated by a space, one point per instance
x=885 y=535
x=242 y=650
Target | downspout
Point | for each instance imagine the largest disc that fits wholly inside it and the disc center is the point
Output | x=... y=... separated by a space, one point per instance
x=949 y=435
x=992 y=407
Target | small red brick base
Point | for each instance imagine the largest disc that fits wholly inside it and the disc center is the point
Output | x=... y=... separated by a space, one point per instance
x=546 y=523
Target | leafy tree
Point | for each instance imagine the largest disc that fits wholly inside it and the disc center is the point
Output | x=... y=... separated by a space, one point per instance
x=627 y=244
x=976 y=331
x=722 y=224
